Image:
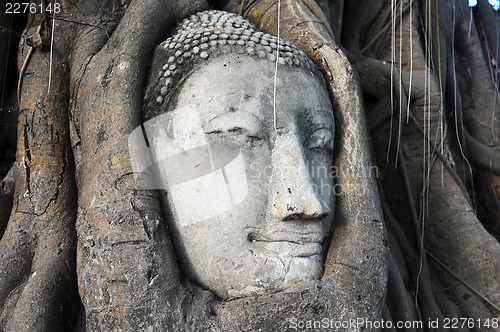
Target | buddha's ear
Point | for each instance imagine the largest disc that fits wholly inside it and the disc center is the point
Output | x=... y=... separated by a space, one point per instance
x=359 y=227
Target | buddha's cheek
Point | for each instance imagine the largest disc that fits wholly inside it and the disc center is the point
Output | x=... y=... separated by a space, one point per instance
x=216 y=259
x=211 y=218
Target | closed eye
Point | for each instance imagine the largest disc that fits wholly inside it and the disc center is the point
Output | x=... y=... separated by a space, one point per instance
x=245 y=132
x=236 y=131
x=320 y=141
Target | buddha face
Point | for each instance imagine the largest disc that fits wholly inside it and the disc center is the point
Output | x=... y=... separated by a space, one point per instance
x=249 y=195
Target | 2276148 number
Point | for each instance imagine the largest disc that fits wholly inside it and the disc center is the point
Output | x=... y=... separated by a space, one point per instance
x=33 y=8
x=478 y=323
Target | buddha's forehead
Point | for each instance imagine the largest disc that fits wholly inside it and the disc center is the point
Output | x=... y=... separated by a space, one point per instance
x=239 y=83
x=205 y=36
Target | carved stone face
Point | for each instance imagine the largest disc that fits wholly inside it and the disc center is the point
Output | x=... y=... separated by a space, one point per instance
x=249 y=206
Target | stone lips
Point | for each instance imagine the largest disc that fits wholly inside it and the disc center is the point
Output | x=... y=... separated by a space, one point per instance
x=208 y=34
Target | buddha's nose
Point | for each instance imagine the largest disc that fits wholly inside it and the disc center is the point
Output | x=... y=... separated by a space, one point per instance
x=295 y=193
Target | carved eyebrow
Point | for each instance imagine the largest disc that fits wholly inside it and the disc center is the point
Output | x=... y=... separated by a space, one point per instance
x=329 y=128
x=232 y=109
x=236 y=119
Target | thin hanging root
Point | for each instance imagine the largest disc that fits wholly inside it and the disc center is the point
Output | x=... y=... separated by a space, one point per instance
x=80 y=23
x=372 y=70
x=423 y=273
x=442 y=157
x=51 y=54
x=276 y=69
x=419 y=230
x=393 y=59
x=380 y=33
x=25 y=66
x=426 y=302
x=413 y=208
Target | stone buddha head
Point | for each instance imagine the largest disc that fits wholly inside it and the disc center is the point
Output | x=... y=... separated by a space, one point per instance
x=239 y=130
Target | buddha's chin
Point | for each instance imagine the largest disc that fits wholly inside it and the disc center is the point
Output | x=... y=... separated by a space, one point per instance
x=280 y=273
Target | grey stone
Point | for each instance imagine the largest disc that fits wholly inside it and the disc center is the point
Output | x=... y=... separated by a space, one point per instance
x=250 y=205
